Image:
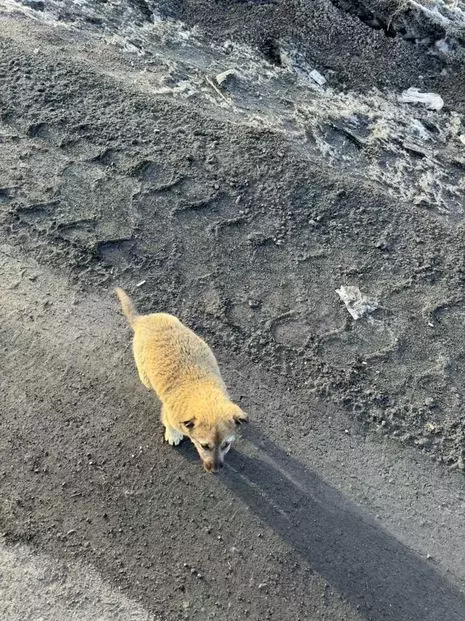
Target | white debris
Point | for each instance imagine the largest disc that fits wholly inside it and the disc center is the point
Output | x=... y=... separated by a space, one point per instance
x=443 y=46
x=317 y=77
x=420 y=129
x=432 y=101
x=225 y=76
x=356 y=302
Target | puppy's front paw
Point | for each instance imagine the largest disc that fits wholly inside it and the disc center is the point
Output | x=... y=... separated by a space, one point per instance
x=172 y=436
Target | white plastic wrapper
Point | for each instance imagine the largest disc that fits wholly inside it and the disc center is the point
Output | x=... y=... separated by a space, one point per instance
x=356 y=302
x=432 y=101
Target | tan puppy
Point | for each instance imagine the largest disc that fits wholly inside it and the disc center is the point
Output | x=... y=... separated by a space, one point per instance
x=180 y=367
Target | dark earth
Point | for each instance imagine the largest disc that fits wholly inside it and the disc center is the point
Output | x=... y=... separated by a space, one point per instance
x=183 y=150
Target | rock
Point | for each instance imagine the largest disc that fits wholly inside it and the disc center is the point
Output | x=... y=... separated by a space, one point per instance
x=37 y=5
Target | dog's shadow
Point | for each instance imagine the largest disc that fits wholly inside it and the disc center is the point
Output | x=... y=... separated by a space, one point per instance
x=377 y=573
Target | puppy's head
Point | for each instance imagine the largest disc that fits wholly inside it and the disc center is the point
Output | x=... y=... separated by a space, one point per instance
x=213 y=436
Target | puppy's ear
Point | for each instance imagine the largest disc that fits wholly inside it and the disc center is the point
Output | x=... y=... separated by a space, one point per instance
x=240 y=416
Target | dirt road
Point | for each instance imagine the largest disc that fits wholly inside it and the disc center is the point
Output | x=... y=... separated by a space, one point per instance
x=241 y=203
x=310 y=520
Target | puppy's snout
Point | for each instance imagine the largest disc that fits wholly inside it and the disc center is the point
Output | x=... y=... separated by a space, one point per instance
x=213 y=466
x=208 y=465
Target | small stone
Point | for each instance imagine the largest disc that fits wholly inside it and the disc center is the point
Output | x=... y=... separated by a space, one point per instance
x=37 y=5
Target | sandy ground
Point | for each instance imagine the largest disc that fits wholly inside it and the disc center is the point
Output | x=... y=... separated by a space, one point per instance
x=241 y=203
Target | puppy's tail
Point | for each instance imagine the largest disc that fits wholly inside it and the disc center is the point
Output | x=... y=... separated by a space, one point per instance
x=127 y=306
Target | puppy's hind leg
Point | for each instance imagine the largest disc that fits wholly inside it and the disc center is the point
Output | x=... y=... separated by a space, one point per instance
x=172 y=435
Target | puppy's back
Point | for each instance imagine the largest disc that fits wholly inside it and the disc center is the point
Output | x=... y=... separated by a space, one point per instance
x=170 y=354
x=172 y=350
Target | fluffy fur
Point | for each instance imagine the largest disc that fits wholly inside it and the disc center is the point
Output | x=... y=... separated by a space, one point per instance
x=182 y=370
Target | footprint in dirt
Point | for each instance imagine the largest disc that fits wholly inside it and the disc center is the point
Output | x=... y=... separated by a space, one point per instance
x=365 y=339
x=104 y=204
